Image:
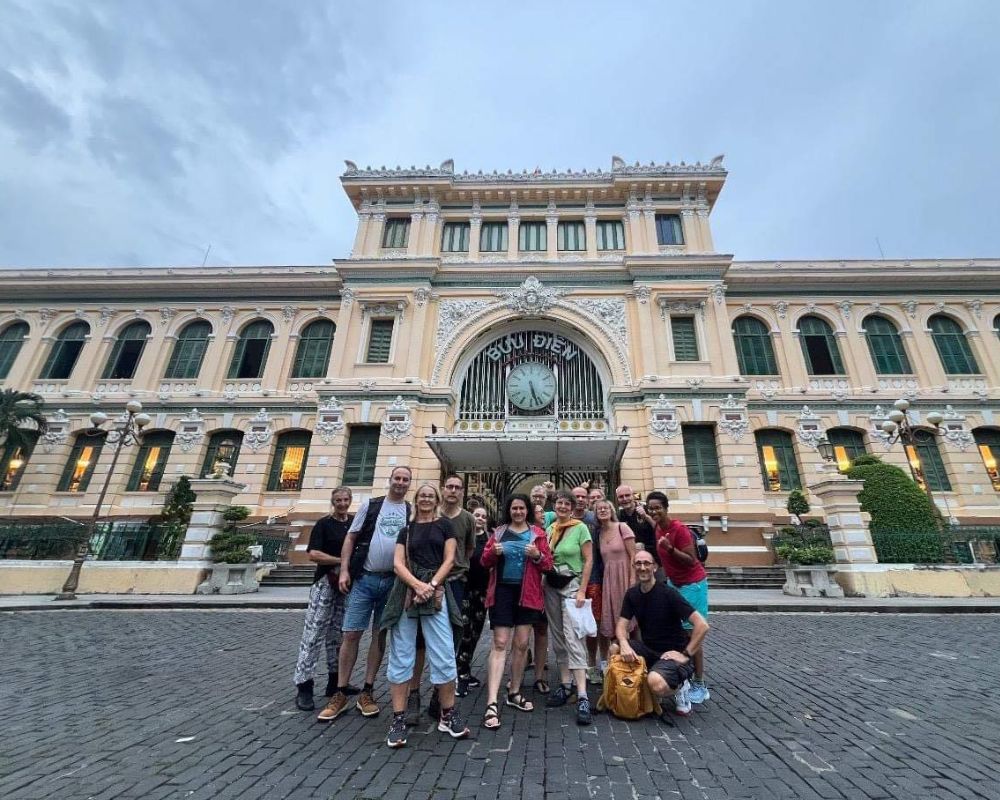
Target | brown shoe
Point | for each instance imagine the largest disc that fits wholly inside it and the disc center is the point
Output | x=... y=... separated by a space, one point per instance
x=336 y=707
x=367 y=705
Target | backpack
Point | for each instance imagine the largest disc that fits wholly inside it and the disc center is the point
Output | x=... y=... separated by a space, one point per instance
x=626 y=693
x=700 y=545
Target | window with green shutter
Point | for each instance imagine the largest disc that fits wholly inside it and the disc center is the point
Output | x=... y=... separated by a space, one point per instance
x=532 y=237
x=455 y=237
x=13 y=460
x=396 y=233
x=493 y=237
x=685 y=338
x=776 y=452
x=885 y=346
x=819 y=347
x=126 y=352
x=571 y=236
x=931 y=463
x=288 y=466
x=952 y=346
x=223 y=446
x=848 y=444
x=65 y=351
x=988 y=442
x=701 y=456
x=189 y=351
x=610 y=234
x=668 y=229
x=11 y=342
x=754 y=350
x=150 y=461
x=250 y=355
x=312 y=356
x=362 y=452
x=380 y=341
x=79 y=468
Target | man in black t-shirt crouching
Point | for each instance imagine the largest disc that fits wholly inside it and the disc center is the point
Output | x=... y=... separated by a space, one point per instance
x=659 y=610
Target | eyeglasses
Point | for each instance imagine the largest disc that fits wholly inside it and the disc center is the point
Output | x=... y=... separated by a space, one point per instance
x=644 y=565
x=453 y=487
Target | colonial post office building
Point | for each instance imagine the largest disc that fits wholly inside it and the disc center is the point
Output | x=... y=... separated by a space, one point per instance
x=512 y=327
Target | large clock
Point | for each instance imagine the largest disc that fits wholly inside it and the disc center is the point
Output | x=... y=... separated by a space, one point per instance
x=531 y=386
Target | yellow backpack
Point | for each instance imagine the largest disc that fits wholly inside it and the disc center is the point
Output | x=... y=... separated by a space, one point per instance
x=626 y=693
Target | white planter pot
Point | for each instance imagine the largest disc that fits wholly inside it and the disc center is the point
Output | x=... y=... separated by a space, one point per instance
x=813 y=581
x=230 y=579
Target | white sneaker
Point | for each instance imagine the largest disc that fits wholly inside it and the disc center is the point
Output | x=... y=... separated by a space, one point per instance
x=699 y=692
x=682 y=699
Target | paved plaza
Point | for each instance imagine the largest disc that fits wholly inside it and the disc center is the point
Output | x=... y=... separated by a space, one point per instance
x=199 y=704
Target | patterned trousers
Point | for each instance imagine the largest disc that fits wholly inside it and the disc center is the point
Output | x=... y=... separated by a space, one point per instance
x=324 y=622
x=474 y=616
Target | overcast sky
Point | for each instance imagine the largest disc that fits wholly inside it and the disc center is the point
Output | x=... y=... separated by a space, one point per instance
x=141 y=132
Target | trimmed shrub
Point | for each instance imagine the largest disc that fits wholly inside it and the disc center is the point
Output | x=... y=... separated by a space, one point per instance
x=892 y=499
x=797 y=503
x=175 y=518
x=229 y=546
x=804 y=555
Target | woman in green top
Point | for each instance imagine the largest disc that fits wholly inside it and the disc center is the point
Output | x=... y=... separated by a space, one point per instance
x=573 y=558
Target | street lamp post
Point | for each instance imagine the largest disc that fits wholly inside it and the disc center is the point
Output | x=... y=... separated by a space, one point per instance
x=899 y=428
x=128 y=431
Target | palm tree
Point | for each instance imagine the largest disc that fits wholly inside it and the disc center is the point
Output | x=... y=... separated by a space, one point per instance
x=21 y=419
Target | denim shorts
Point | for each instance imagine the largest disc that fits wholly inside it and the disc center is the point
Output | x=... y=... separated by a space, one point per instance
x=366 y=600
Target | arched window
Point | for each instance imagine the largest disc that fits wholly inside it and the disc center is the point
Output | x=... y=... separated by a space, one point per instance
x=222 y=446
x=776 y=452
x=65 y=351
x=13 y=460
x=288 y=466
x=251 y=350
x=952 y=346
x=82 y=460
x=11 y=341
x=996 y=325
x=151 y=461
x=925 y=458
x=753 y=347
x=886 y=346
x=313 y=353
x=988 y=442
x=819 y=347
x=189 y=351
x=848 y=444
x=126 y=352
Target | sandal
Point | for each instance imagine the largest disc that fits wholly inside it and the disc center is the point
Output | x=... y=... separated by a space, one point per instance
x=491 y=717
x=541 y=686
x=520 y=702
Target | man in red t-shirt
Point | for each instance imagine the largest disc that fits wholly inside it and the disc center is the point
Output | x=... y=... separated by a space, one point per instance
x=678 y=553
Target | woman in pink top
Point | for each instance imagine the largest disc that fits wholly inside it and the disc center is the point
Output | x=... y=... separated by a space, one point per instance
x=617 y=552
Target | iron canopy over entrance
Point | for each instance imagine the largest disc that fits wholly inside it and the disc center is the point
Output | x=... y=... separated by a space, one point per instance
x=529 y=452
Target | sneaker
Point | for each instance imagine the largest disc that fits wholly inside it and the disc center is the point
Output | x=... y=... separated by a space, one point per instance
x=699 y=692
x=434 y=706
x=559 y=696
x=367 y=706
x=583 y=715
x=397 y=731
x=594 y=676
x=474 y=682
x=304 y=696
x=682 y=699
x=413 y=709
x=336 y=707
x=453 y=724
x=462 y=687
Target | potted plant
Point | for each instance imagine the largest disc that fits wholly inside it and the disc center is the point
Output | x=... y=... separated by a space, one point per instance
x=234 y=570
x=808 y=559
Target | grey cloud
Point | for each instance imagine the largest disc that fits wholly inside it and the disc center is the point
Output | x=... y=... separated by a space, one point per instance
x=130 y=137
x=30 y=114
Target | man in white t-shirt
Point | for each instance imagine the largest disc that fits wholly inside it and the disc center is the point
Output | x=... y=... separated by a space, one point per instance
x=367 y=572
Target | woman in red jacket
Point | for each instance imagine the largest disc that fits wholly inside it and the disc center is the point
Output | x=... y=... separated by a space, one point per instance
x=517 y=554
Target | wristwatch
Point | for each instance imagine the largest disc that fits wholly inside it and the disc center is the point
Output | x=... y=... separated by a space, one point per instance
x=434 y=584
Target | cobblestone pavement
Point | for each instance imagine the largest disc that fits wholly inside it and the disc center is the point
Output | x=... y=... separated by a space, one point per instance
x=199 y=704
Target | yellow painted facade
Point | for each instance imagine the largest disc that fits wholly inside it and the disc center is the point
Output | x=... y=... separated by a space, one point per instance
x=452 y=264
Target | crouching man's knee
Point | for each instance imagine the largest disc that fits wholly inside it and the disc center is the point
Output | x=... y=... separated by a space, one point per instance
x=657 y=685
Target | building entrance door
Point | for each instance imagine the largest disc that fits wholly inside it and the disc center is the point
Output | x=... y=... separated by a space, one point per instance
x=493 y=486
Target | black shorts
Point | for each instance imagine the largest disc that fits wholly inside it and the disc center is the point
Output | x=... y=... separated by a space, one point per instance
x=507 y=612
x=673 y=672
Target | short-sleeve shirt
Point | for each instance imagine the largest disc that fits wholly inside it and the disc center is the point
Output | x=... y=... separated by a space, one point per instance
x=644 y=531
x=427 y=548
x=514 y=545
x=327 y=536
x=391 y=518
x=678 y=535
x=659 y=614
x=569 y=549
x=464 y=525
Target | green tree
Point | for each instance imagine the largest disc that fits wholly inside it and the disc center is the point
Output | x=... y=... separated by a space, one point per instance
x=21 y=419
x=891 y=497
x=797 y=503
x=229 y=546
x=175 y=518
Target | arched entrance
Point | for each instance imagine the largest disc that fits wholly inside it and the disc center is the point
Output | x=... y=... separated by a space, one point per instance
x=532 y=402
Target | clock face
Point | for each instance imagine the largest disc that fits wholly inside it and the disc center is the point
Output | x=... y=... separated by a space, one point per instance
x=531 y=386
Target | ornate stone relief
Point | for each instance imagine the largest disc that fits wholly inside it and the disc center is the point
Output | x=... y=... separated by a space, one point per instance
x=228 y=312
x=809 y=431
x=56 y=431
x=876 y=418
x=663 y=421
x=609 y=312
x=382 y=309
x=452 y=313
x=421 y=294
x=767 y=388
x=718 y=292
x=192 y=430
x=910 y=307
x=976 y=307
x=733 y=418
x=45 y=314
x=953 y=429
x=259 y=433
x=397 y=422
x=668 y=306
x=288 y=313
x=530 y=298
x=166 y=314
x=781 y=308
x=106 y=314
x=330 y=419
x=346 y=297
x=845 y=307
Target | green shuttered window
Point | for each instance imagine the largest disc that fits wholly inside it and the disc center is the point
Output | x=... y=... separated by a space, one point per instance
x=532 y=237
x=288 y=467
x=150 y=462
x=610 y=235
x=753 y=347
x=952 y=346
x=65 y=351
x=455 y=237
x=80 y=466
x=668 y=229
x=685 y=338
x=493 y=237
x=189 y=351
x=848 y=444
x=778 y=467
x=885 y=346
x=362 y=451
x=13 y=461
x=250 y=355
x=397 y=232
x=223 y=446
x=571 y=236
x=11 y=341
x=701 y=455
x=380 y=341
x=312 y=356
x=126 y=352
x=931 y=463
x=819 y=347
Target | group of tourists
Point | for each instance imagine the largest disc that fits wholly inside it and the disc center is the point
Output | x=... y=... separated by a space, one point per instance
x=599 y=580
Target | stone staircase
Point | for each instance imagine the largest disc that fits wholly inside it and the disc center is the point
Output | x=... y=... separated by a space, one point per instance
x=290 y=575
x=745 y=577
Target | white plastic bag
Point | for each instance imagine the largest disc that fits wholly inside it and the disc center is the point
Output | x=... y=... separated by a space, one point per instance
x=582 y=619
